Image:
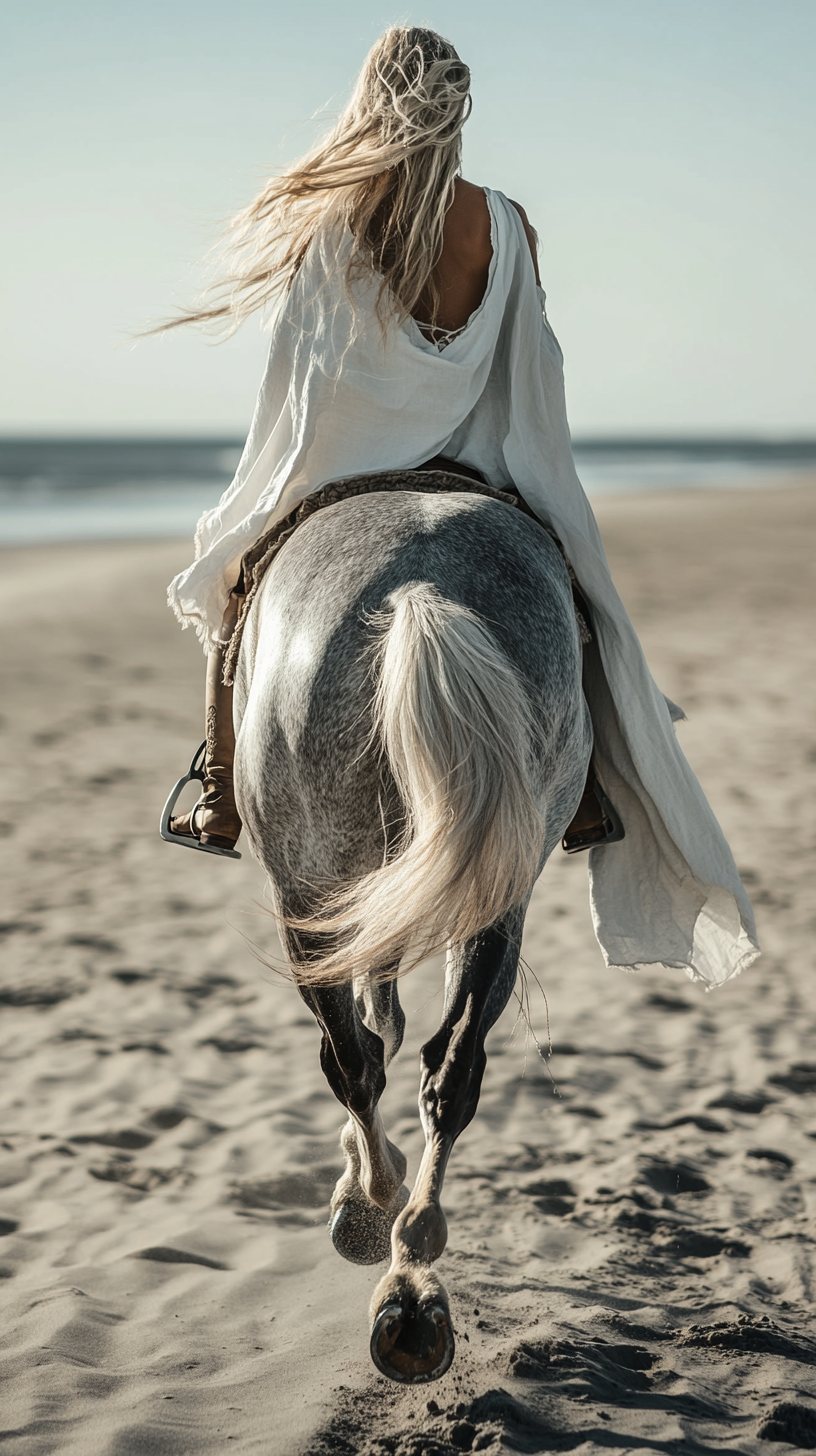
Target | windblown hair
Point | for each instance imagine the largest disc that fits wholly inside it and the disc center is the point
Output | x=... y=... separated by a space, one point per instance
x=386 y=172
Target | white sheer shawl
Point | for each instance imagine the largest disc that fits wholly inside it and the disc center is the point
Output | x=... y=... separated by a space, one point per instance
x=337 y=401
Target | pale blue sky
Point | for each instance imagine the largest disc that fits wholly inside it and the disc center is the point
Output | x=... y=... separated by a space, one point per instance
x=663 y=148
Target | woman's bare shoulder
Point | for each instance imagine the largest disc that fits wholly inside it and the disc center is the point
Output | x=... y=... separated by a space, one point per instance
x=467 y=194
x=472 y=220
x=468 y=220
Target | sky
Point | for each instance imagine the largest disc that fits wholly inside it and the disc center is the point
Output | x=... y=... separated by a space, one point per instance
x=662 y=148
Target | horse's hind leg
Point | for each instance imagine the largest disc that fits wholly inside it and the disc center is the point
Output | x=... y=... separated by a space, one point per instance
x=360 y=1035
x=412 y=1336
x=379 y=1006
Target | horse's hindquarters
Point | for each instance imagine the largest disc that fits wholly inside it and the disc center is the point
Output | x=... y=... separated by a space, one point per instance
x=318 y=800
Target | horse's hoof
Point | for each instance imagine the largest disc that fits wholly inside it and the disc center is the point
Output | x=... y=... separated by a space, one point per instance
x=361 y=1231
x=412 y=1337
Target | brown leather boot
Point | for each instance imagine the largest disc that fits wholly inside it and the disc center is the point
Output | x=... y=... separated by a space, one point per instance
x=214 y=823
x=594 y=822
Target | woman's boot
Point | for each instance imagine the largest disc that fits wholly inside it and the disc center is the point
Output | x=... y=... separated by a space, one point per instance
x=214 y=823
x=594 y=822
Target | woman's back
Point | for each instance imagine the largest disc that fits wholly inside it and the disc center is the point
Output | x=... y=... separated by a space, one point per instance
x=462 y=271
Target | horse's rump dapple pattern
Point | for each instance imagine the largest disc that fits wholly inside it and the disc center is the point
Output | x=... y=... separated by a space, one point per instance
x=256 y=562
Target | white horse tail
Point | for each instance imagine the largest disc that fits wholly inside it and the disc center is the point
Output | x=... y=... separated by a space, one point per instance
x=455 y=723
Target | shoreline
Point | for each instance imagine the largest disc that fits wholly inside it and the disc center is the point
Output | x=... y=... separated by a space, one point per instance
x=151 y=512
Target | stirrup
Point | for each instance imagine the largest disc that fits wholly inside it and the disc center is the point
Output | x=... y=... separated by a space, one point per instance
x=611 y=831
x=190 y=841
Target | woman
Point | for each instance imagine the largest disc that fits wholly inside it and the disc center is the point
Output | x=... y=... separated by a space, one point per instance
x=410 y=332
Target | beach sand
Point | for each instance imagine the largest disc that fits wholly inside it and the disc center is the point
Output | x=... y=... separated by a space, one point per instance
x=632 y=1249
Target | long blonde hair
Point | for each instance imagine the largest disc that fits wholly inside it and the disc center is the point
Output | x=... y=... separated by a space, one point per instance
x=386 y=171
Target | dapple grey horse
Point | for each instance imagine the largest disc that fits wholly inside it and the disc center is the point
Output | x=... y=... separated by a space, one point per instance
x=413 y=741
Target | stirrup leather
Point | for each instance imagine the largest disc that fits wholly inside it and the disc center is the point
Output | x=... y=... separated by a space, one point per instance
x=190 y=841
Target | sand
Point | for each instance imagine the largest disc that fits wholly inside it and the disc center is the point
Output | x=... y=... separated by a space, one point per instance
x=632 y=1250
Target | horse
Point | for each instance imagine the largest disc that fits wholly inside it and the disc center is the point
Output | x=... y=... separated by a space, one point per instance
x=412 y=741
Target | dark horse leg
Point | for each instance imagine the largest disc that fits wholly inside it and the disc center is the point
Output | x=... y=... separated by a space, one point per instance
x=362 y=1030
x=412 y=1336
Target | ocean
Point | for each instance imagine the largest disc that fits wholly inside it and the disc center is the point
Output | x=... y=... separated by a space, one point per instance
x=54 y=490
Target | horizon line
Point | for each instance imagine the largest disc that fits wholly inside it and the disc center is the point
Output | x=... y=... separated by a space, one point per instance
x=659 y=439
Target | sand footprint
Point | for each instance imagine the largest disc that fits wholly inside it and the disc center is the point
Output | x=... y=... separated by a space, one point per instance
x=166 y=1254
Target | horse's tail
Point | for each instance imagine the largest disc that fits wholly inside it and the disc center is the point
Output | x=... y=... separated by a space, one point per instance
x=456 y=726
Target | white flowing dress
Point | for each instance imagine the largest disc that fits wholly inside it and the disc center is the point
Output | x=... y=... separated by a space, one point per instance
x=336 y=400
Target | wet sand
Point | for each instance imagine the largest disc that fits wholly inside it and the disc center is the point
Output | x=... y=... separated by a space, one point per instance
x=632 y=1249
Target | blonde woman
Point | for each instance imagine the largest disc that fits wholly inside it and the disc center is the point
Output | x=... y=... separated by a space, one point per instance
x=408 y=332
